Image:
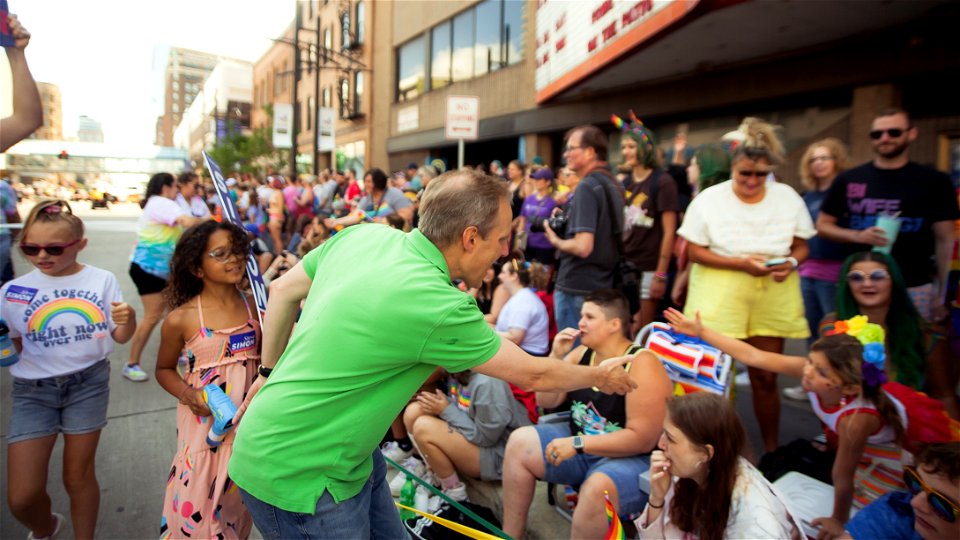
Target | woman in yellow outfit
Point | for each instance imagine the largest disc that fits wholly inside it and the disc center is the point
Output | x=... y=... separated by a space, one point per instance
x=746 y=238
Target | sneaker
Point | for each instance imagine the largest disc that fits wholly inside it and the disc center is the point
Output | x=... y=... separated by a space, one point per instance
x=135 y=373
x=795 y=393
x=393 y=451
x=57 y=525
x=458 y=493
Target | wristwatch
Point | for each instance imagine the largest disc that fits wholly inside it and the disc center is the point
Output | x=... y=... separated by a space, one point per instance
x=793 y=261
x=578 y=444
x=264 y=371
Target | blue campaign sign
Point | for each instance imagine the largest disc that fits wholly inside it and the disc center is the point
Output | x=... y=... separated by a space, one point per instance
x=231 y=214
x=6 y=35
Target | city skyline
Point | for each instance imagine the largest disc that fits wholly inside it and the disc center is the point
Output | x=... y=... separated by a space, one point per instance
x=112 y=70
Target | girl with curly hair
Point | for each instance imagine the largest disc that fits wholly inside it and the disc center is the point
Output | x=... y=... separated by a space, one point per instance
x=211 y=336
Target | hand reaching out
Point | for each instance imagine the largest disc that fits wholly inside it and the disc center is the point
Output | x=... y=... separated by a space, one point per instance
x=683 y=324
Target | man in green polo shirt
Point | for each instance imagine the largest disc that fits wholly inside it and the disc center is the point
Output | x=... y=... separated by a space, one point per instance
x=306 y=455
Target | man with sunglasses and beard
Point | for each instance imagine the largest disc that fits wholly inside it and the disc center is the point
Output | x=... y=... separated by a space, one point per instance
x=923 y=199
x=929 y=509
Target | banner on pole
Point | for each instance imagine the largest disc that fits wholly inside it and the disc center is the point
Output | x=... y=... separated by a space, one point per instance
x=326 y=121
x=231 y=214
x=282 y=125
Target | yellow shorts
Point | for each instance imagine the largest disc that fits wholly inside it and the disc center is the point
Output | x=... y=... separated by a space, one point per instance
x=741 y=306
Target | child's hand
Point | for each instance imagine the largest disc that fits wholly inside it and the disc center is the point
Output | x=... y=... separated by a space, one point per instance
x=830 y=528
x=432 y=403
x=193 y=398
x=122 y=314
x=683 y=324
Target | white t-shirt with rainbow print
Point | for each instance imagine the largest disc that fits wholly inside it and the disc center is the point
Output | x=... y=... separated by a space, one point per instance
x=64 y=322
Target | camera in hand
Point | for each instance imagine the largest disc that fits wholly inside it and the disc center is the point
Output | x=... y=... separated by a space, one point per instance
x=557 y=222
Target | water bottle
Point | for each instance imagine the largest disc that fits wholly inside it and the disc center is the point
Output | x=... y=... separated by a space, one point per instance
x=408 y=497
x=422 y=499
x=8 y=353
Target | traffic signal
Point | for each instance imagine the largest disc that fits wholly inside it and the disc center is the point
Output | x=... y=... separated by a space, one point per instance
x=64 y=154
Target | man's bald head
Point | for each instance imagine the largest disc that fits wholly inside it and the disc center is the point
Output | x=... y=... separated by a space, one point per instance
x=459 y=199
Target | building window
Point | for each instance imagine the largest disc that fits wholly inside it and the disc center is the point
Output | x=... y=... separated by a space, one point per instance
x=357 y=91
x=283 y=77
x=309 y=115
x=325 y=99
x=410 y=69
x=176 y=107
x=512 y=32
x=440 y=56
x=487 y=47
x=462 y=56
x=345 y=42
x=344 y=98
x=360 y=20
x=327 y=42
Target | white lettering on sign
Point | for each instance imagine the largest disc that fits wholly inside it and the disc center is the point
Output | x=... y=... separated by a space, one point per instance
x=562 y=48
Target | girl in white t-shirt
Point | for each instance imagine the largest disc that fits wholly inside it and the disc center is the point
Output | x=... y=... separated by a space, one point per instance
x=523 y=319
x=64 y=318
x=160 y=226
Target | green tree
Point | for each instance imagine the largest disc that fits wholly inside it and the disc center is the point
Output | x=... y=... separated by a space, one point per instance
x=252 y=153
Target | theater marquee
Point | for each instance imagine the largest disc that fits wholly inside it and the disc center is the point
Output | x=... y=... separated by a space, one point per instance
x=577 y=39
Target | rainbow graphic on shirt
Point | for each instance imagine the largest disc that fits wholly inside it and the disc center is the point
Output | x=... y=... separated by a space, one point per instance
x=85 y=309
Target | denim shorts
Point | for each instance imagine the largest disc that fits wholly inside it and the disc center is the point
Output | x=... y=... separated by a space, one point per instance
x=625 y=472
x=70 y=404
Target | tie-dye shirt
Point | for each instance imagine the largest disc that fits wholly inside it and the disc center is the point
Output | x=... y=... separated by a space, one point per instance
x=63 y=321
x=157 y=235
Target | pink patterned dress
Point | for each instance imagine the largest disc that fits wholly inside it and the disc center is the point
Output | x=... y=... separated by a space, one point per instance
x=201 y=501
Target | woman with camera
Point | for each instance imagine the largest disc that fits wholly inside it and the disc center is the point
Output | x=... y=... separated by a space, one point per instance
x=537 y=207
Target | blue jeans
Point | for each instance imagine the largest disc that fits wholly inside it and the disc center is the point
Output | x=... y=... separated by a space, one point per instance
x=819 y=298
x=369 y=514
x=566 y=308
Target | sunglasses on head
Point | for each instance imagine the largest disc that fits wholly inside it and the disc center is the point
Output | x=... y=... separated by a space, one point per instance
x=856 y=276
x=32 y=250
x=942 y=506
x=892 y=133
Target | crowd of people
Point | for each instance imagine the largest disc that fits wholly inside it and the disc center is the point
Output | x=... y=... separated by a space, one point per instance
x=432 y=317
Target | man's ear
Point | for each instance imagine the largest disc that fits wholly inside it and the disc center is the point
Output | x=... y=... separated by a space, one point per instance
x=468 y=238
x=709 y=449
x=912 y=133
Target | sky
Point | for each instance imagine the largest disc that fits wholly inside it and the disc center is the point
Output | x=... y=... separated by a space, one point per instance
x=108 y=56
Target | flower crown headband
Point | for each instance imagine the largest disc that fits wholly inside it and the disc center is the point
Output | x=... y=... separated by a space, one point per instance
x=635 y=126
x=871 y=336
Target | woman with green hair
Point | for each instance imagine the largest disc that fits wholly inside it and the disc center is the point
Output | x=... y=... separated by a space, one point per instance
x=874 y=286
x=709 y=165
x=650 y=216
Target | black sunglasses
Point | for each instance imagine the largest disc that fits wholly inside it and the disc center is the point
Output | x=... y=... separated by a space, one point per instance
x=893 y=133
x=942 y=506
x=856 y=276
x=32 y=250
x=755 y=174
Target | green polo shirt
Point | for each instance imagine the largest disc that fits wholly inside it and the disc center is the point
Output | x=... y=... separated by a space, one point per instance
x=380 y=316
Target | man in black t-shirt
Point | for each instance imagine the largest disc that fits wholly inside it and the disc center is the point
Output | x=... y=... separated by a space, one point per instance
x=923 y=199
x=587 y=252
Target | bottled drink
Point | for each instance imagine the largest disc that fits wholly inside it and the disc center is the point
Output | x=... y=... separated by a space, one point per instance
x=408 y=496
x=8 y=353
x=422 y=499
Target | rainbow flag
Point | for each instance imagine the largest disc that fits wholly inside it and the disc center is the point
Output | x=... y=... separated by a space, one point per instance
x=615 y=532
